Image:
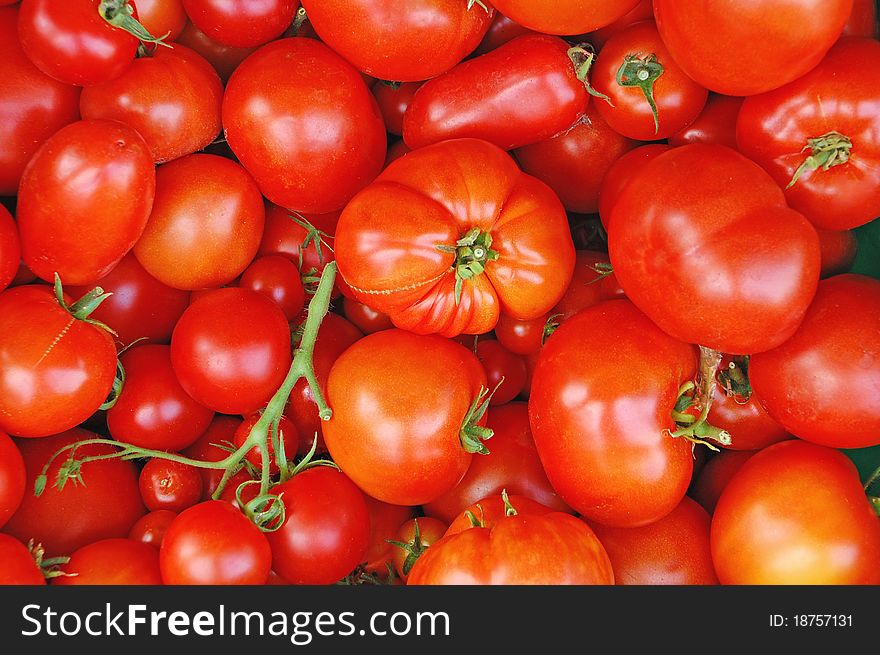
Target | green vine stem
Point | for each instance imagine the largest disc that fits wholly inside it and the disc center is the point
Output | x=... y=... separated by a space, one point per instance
x=826 y=151
x=642 y=72
x=582 y=56
x=697 y=429
x=119 y=13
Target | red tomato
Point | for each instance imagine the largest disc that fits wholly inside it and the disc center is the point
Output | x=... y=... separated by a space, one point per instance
x=560 y=161
x=839 y=250
x=707 y=40
x=34 y=105
x=553 y=549
x=399 y=405
x=600 y=412
x=225 y=59
x=17 y=566
x=106 y=505
x=231 y=350
x=591 y=283
x=469 y=197
x=486 y=513
x=716 y=123
x=713 y=210
x=326 y=528
x=287 y=432
x=151 y=528
x=628 y=167
x=221 y=431
x=10 y=250
x=396 y=151
x=821 y=384
x=288 y=123
x=716 y=474
x=167 y=485
x=241 y=23
x=644 y=10
x=565 y=16
x=505 y=371
x=526 y=91
x=818 y=137
x=385 y=520
x=84 y=200
x=57 y=370
x=502 y=30
x=153 y=411
x=277 y=278
x=672 y=551
x=651 y=97
x=112 y=562
x=12 y=478
x=364 y=317
x=862 y=20
x=162 y=17
x=206 y=223
x=172 y=98
x=390 y=42
x=141 y=307
x=430 y=531
x=796 y=513
x=521 y=337
x=212 y=543
x=393 y=101
x=512 y=464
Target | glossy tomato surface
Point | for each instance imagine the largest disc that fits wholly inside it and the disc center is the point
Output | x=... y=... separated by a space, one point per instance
x=565 y=16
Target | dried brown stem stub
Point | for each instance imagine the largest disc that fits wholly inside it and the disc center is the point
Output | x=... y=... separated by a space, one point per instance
x=697 y=429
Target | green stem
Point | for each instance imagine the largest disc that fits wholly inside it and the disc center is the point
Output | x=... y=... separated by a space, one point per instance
x=829 y=150
x=582 y=57
x=642 y=72
x=119 y=13
x=872 y=480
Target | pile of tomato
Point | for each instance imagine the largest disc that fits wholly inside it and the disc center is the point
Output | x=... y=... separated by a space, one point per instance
x=439 y=292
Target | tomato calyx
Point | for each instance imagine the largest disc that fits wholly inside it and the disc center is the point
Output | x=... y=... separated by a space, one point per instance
x=413 y=549
x=50 y=568
x=826 y=151
x=360 y=576
x=734 y=379
x=691 y=410
x=509 y=509
x=472 y=253
x=120 y=14
x=552 y=324
x=583 y=56
x=473 y=435
x=83 y=308
x=641 y=72
x=473 y=520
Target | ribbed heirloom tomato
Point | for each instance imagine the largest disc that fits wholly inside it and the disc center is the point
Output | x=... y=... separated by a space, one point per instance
x=452 y=235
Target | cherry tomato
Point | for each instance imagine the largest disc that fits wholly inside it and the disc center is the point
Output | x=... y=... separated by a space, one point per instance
x=501 y=31
x=10 y=250
x=504 y=242
x=400 y=415
x=151 y=528
x=225 y=59
x=221 y=431
x=287 y=432
x=565 y=16
x=521 y=337
x=288 y=123
x=277 y=278
x=162 y=17
x=393 y=101
x=839 y=251
x=17 y=565
x=84 y=200
x=106 y=505
x=172 y=98
x=819 y=383
x=715 y=124
x=153 y=411
x=241 y=23
x=231 y=350
x=364 y=317
x=716 y=474
x=672 y=551
x=112 y=562
x=385 y=520
x=214 y=543
x=57 y=370
x=418 y=534
x=796 y=513
x=326 y=528
x=12 y=478
x=34 y=105
x=505 y=371
x=621 y=173
x=512 y=464
x=169 y=485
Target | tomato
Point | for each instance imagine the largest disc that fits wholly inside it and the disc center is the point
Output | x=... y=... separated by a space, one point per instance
x=502 y=30
x=400 y=403
x=592 y=282
x=489 y=511
x=141 y=307
x=10 y=250
x=153 y=411
x=628 y=167
x=172 y=98
x=278 y=279
x=283 y=235
x=231 y=350
x=600 y=412
x=559 y=161
x=151 y=528
x=326 y=528
x=288 y=123
x=505 y=371
x=364 y=317
x=468 y=210
x=839 y=251
x=381 y=38
x=287 y=433
x=651 y=97
x=565 y=16
x=57 y=370
x=521 y=337
x=106 y=505
x=12 y=478
x=396 y=150
x=715 y=124
x=206 y=224
x=225 y=59
x=76 y=41
x=863 y=19
x=162 y=17
x=716 y=474
x=644 y=10
x=418 y=534
x=17 y=566
x=168 y=485
x=393 y=101
x=385 y=520
x=526 y=91
x=84 y=200
x=221 y=431
x=112 y=562
x=672 y=551
x=711 y=209
x=522 y=549
x=512 y=464
x=796 y=513
x=820 y=384
x=707 y=40
x=34 y=105
x=241 y=23
x=213 y=543
x=818 y=137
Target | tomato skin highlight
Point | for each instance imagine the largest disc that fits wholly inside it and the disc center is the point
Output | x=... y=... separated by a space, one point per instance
x=162 y=17
x=715 y=124
x=240 y=23
x=151 y=528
